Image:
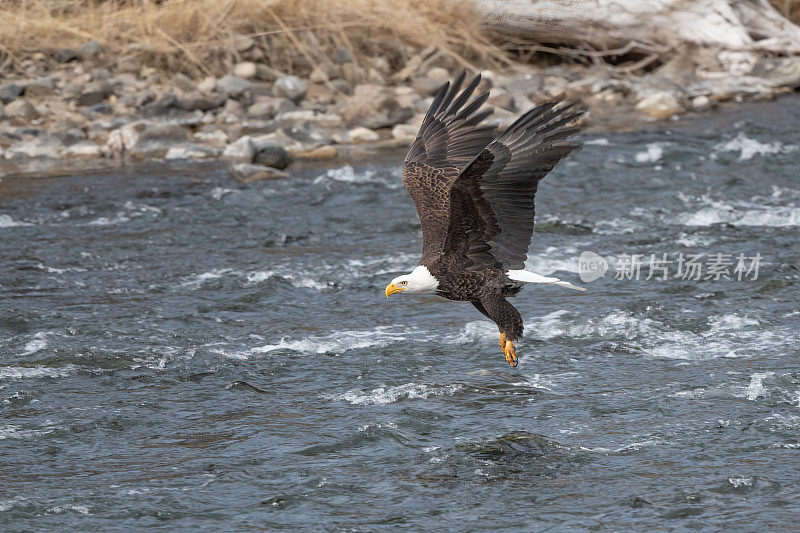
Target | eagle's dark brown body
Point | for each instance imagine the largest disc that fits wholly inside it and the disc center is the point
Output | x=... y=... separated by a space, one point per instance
x=474 y=192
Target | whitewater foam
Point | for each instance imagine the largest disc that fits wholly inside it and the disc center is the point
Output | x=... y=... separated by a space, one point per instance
x=347 y=174
x=756 y=388
x=387 y=395
x=337 y=342
x=652 y=154
x=14 y=432
x=7 y=222
x=748 y=148
x=24 y=372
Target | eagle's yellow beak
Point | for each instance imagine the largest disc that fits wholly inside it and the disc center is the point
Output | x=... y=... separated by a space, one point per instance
x=392 y=288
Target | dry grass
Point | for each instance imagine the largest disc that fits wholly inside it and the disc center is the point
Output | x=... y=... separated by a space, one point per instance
x=205 y=36
x=788 y=8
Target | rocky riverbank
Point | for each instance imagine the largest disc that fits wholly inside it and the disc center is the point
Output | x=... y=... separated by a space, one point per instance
x=83 y=105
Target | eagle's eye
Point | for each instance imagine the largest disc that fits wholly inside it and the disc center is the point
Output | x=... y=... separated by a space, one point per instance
x=403 y=283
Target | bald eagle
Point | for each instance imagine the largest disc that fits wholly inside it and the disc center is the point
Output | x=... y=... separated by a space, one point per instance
x=474 y=193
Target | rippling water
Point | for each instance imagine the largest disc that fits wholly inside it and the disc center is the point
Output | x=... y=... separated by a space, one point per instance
x=180 y=350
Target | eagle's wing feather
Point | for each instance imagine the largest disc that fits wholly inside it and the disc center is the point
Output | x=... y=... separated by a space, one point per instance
x=451 y=135
x=492 y=201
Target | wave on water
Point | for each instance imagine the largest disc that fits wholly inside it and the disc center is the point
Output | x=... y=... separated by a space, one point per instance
x=14 y=373
x=198 y=279
x=631 y=446
x=727 y=335
x=254 y=278
x=748 y=148
x=316 y=276
x=14 y=432
x=374 y=266
x=756 y=387
x=553 y=259
x=394 y=394
x=7 y=222
x=741 y=214
x=129 y=210
x=297 y=281
x=347 y=174
x=652 y=154
x=338 y=342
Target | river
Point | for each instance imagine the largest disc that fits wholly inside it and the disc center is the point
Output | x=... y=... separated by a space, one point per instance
x=179 y=350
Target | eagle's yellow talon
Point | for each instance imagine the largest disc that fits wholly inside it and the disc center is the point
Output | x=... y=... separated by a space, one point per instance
x=508 y=350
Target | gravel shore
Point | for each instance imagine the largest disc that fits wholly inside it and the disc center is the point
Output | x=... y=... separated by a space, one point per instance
x=84 y=105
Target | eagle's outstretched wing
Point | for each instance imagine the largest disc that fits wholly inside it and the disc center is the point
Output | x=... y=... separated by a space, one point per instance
x=449 y=139
x=492 y=201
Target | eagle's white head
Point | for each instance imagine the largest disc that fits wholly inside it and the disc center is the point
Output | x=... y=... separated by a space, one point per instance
x=420 y=281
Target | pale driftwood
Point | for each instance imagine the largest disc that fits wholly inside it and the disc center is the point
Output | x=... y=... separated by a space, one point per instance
x=641 y=25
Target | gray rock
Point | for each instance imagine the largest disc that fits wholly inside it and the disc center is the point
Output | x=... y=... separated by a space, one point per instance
x=439 y=75
x=358 y=135
x=258 y=90
x=21 y=108
x=40 y=88
x=342 y=55
x=269 y=106
x=83 y=149
x=290 y=87
x=147 y=138
x=233 y=107
x=197 y=100
x=90 y=98
x=10 y=91
x=159 y=138
x=95 y=93
x=100 y=74
x=246 y=70
x=324 y=72
x=162 y=106
x=69 y=137
x=374 y=107
x=660 y=105
x=191 y=151
x=182 y=82
x=208 y=84
x=138 y=99
x=129 y=64
x=341 y=86
x=266 y=73
x=304 y=133
x=240 y=150
x=258 y=126
x=90 y=50
x=246 y=172
x=353 y=74
x=425 y=85
x=233 y=86
x=44 y=146
x=502 y=99
x=211 y=135
x=270 y=153
x=65 y=55
x=700 y=103
x=405 y=132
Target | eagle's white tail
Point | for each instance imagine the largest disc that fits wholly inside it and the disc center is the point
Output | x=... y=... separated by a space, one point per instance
x=531 y=277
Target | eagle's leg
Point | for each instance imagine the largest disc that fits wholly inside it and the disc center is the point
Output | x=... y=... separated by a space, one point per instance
x=508 y=321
